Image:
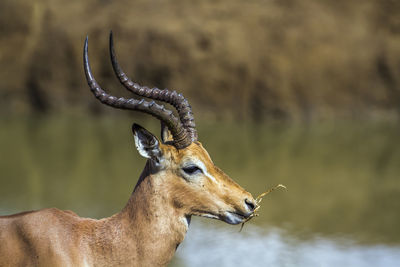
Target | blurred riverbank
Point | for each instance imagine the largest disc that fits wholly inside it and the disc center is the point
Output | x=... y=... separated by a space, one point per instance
x=259 y=60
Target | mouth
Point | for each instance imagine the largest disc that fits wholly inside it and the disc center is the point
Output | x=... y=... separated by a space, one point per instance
x=230 y=217
x=234 y=217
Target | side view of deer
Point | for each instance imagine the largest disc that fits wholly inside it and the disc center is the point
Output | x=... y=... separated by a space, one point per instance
x=179 y=180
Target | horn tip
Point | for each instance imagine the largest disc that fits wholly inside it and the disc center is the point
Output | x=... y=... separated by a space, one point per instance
x=86 y=41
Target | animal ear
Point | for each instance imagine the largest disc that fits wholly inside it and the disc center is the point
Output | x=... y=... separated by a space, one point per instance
x=146 y=143
x=166 y=135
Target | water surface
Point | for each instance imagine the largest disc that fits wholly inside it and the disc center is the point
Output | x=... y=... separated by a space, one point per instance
x=341 y=206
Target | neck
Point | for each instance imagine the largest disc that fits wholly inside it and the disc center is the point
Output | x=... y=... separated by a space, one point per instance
x=149 y=228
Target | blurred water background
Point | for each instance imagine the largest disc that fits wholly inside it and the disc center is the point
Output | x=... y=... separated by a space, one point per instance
x=340 y=209
x=303 y=93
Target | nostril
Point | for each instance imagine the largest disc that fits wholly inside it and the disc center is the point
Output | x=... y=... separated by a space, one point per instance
x=250 y=204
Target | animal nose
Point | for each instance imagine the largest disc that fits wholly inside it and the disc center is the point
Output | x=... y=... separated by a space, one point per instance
x=250 y=204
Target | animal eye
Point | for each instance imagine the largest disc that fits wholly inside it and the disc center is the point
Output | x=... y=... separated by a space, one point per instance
x=193 y=169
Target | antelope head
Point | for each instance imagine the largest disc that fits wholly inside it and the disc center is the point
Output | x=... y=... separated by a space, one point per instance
x=178 y=159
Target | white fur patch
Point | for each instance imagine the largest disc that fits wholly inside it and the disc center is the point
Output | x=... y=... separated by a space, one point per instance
x=85 y=263
x=201 y=165
x=208 y=215
x=185 y=222
x=210 y=177
x=140 y=148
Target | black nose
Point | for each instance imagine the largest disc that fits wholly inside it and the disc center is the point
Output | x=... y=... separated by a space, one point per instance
x=250 y=204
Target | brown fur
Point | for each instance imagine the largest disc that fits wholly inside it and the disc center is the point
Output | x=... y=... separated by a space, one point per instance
x=145 y=233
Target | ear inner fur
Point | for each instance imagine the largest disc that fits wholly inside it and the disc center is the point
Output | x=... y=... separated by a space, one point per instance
x=146 y=143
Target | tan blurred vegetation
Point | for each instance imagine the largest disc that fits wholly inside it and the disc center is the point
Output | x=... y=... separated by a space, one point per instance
x=261 y=59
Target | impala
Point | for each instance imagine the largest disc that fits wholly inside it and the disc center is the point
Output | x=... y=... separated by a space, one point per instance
x=179 y=180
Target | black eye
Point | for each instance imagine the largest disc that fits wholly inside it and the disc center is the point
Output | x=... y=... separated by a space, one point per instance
x=192 y=169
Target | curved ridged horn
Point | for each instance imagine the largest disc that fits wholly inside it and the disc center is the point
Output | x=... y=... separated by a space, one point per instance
x=181 y=136
x=177 y=100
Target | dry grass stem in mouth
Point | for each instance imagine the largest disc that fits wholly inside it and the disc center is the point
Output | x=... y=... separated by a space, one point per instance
x=259 y=198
